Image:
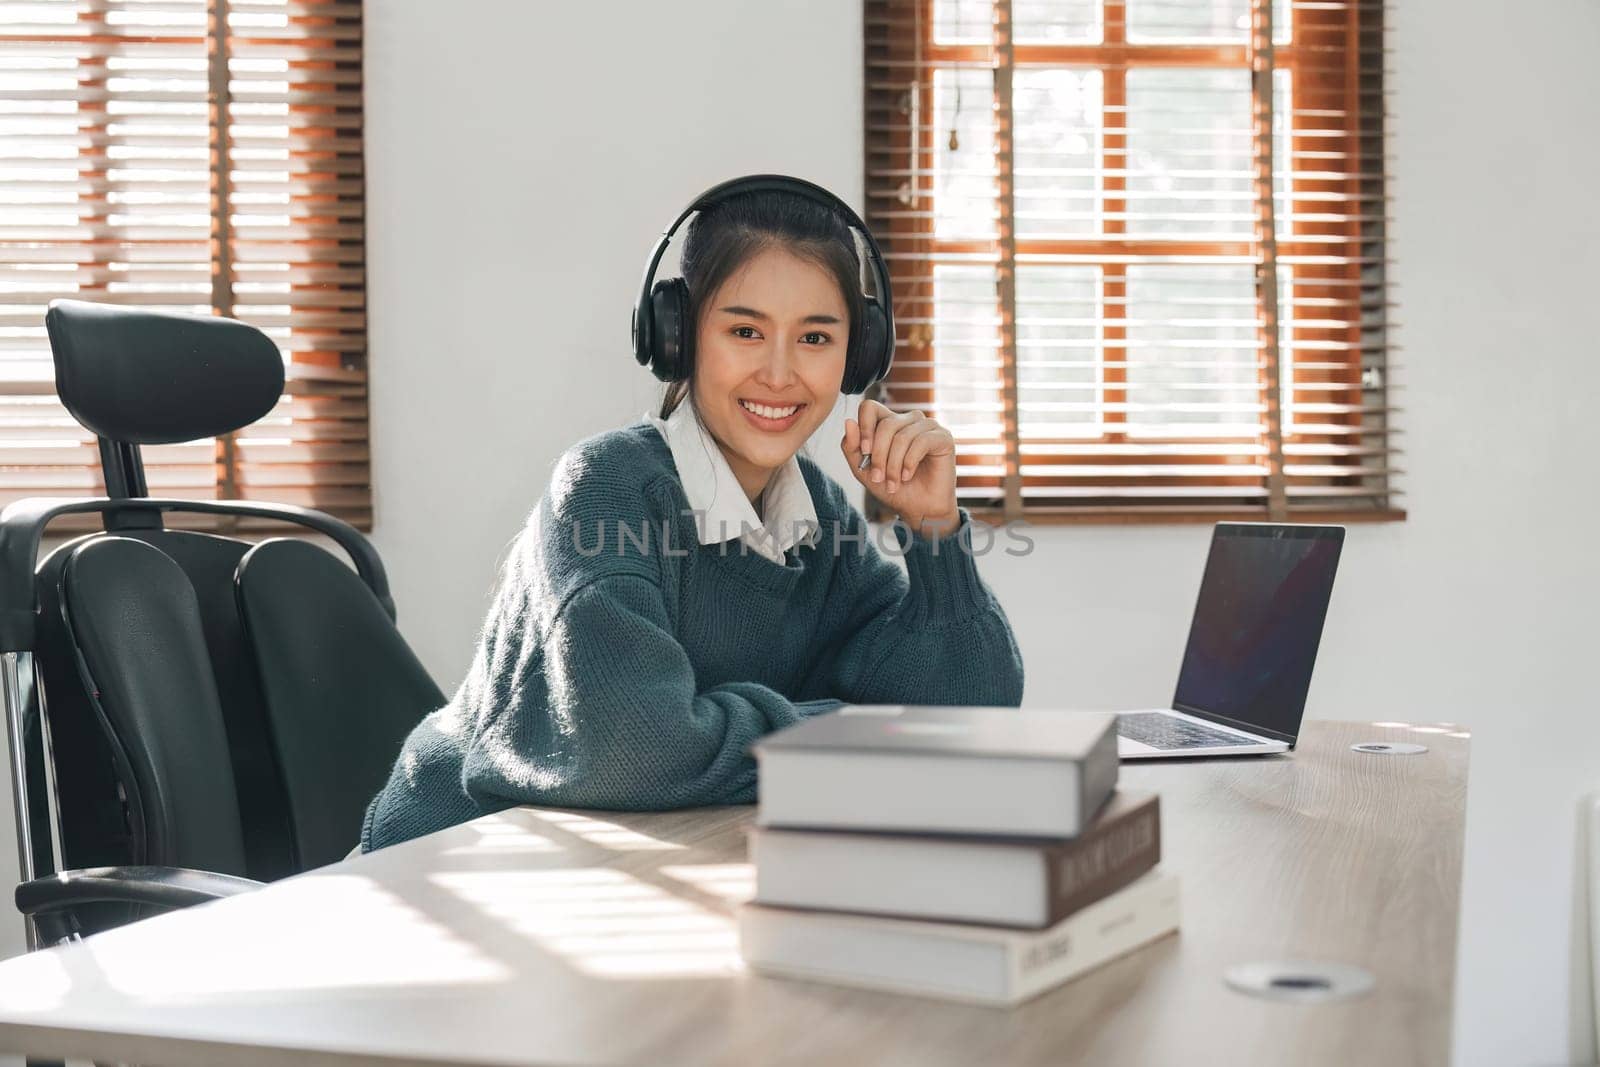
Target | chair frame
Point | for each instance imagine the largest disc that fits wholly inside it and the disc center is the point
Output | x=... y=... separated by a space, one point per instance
x=22 y=526
x=126 y=507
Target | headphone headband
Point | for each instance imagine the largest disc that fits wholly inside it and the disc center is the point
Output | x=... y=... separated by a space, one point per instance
x=644 y=336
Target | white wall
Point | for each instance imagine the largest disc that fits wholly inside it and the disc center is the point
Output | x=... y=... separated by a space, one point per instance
x=513 y=193
x=521 y=158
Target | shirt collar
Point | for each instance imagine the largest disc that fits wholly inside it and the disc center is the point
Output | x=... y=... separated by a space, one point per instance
x=722 y=511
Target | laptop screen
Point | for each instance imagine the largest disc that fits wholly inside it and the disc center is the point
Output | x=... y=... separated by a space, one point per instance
x=1257 y=625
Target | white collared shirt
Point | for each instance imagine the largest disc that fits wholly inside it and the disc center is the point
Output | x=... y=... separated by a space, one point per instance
x=722 y=511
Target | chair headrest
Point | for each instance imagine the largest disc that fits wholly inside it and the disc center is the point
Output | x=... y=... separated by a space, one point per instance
x=159 y=378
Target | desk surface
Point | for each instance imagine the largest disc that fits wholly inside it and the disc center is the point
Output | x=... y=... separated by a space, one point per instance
x=540 y=936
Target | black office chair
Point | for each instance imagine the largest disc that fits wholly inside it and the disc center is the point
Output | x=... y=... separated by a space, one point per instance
x=189 y=714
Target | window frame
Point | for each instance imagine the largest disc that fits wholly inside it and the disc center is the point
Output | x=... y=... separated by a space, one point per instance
x=283 y=181
x=1350 y=35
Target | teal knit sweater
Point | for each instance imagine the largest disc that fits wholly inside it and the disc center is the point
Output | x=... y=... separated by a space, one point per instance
x=625 y=666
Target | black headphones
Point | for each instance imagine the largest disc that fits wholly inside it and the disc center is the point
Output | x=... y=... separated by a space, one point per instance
x=663 y=335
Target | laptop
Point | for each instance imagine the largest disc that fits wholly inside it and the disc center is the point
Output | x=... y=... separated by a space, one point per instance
x=1252 y=644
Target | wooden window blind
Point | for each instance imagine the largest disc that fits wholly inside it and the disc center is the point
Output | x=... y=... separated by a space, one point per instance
x=191 y=155
x=1138 y=251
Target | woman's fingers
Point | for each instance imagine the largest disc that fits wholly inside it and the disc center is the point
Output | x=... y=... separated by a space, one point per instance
x=856 y=446
x=897 y=462
x=882 y=436
x=889 y=440
x=853 y=451
x=883 y=441
x=918 y=449
x=867 y=417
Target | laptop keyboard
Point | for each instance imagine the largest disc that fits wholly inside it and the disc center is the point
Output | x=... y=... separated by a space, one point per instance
x=1171 y=732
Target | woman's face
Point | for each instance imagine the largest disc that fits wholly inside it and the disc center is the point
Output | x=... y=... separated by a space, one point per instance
x=769 y=361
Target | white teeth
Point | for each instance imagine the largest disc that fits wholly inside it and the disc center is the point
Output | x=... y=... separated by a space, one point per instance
x=766 y=411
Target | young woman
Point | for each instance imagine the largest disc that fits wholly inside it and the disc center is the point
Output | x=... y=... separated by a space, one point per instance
x=693 y=581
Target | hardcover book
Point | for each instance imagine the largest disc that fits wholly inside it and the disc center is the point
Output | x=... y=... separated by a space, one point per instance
x=937 y=769
x=982 y=964
x=1026 y=882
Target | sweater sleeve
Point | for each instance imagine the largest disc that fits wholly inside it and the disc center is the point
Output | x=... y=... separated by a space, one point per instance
x=932 y=635
x=614 y=719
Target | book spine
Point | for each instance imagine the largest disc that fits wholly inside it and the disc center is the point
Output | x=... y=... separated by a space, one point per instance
x=1112 y=928
x=1110 y=856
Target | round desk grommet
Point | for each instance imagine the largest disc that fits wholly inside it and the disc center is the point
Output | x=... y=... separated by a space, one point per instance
x=1298 y=981
x=1389 y=748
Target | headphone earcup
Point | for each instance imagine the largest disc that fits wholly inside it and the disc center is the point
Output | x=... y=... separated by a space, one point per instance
x=870 y=363
x=671 y=338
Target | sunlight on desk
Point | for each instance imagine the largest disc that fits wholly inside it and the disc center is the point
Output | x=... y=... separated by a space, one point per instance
x=607 y=835
x=503 y=836
x=604 y=922
x=47 y=986
x=733 y=882
x=352 y=912
x=1449 y=729
x=517 y=939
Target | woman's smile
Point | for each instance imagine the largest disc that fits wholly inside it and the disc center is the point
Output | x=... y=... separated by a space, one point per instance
x=771 y=418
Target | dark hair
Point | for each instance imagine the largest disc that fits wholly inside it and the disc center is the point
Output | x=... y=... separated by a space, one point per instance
x=724 y=237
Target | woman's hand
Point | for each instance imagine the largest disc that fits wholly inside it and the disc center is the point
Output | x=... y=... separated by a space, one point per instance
x=913 y=468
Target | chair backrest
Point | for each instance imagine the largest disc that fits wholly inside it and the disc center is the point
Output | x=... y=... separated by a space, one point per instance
x=341 y=695
x=166 y=744
x=142 y=657
x=211 y=563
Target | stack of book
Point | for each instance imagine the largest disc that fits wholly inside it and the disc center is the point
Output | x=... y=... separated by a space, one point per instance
x=979 y=854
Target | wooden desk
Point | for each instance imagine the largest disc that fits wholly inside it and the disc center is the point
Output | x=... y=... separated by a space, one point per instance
x=542 y=937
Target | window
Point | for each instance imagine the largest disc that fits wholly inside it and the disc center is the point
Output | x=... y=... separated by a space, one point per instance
x=1138 y=252
x=189 y=155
